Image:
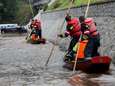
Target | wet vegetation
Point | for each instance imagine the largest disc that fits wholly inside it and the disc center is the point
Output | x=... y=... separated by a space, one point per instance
x=62 y=4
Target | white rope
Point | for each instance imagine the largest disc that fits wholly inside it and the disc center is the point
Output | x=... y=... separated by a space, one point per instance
x=86 y=12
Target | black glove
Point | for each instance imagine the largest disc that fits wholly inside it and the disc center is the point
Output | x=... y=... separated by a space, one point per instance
x=60 y=35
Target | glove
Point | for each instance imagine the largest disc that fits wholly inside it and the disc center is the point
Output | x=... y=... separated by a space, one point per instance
x=66 y=35
x=60 y=35
x=85 y=37
x=86 y=32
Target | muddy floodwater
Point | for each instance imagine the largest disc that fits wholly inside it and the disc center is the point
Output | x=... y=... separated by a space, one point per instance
x=23 y=64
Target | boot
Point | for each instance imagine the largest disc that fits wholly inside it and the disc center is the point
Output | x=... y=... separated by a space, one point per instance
x=70 y=55
x=65 y=57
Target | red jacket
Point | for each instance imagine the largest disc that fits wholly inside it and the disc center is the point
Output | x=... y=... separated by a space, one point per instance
x=36 y=24
x=92 y=27
x=73 y=27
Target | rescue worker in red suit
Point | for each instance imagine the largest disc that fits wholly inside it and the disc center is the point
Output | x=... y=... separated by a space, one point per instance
x=72 y=29
x=36 y=28
x=32 y=28
x=32 y=24
x=88 y=27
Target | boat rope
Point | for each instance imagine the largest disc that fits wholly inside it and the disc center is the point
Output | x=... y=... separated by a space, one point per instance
x=86 y=13
x=60 y=28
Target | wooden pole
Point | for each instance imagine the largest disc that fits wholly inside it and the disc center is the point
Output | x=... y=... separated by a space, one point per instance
x=86 y=12
x=31 y=8
x=74 y=67
x=68 y=11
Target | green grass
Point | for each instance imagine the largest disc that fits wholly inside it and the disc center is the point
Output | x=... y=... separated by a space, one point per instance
x=62 y=4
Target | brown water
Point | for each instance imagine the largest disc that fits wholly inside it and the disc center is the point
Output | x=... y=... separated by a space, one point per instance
x=23 y=64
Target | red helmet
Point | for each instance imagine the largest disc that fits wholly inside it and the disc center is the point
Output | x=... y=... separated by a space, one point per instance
x=81 y=19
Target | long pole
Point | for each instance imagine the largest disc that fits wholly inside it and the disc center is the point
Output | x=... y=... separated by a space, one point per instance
x=29 y=32
x=74 y=67
x=31 y=8
x=60 y=32
x=86 y=12
x=71 y=3
x=68 y=12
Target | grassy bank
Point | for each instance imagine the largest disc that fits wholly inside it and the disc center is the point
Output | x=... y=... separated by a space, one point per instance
x=62 y=4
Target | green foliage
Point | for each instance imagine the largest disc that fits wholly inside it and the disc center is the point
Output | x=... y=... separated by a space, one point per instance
x=83 y=2
x=14 y=11
x=23 y=13
x=45 y=7
x=8 y=10
x=55 y=5
x=62 y=4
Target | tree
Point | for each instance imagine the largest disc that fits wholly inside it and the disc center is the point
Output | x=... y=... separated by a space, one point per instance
x=8 y=10
x=14 y=11
x=24 y=13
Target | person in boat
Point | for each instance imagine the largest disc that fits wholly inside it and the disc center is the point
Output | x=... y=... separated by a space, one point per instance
x=31 y=24
x=73 y=30
x=89 y=27
x=78 y=50
x=35 y=26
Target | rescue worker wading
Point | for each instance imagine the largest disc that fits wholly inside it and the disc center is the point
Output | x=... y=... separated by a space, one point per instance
x=88 y=27
x=72 y=29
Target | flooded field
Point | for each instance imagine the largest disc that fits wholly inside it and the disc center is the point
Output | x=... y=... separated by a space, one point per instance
x=23 y=64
